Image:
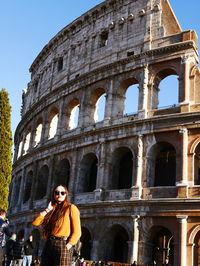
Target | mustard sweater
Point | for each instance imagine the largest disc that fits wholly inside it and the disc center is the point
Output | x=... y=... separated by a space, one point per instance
x=65 y=228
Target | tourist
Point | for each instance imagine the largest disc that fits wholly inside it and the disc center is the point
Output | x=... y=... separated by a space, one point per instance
x=28 y=251
x=9 y=249
x=60 y=227
x=18 y=252
x=4 y=230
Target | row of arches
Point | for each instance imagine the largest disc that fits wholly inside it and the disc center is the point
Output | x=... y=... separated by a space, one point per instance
x=122 y=170
x=97 y=109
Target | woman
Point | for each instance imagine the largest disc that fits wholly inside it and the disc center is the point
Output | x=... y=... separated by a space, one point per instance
x=60 y=227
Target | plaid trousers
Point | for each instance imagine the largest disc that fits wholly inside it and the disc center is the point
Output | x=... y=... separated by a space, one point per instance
x=55 y=253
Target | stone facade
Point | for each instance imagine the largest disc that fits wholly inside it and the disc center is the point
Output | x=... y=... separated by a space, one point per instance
x=135 y=178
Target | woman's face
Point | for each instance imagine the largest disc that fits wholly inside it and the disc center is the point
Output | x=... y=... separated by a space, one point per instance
x=60 y=194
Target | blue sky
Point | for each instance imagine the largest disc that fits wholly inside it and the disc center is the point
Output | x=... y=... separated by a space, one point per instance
x=28 y=25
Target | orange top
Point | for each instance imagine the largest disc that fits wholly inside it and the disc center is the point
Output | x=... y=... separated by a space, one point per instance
x=65 y=228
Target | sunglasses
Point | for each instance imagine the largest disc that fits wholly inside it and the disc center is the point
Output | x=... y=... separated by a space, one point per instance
x=60 y=193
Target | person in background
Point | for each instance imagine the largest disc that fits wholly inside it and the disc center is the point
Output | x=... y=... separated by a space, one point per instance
x=18 y=252
x=61 y=228
x=9 y=249
x=28 y=251
x=4 y=230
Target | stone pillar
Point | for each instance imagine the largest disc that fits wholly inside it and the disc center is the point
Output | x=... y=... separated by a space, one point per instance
x=186 y=79
x=109 y=101
x=137 y=189
x=183 y=182
x=133 y=245
x=143 y=93
x=182 y=219
x=94 y=250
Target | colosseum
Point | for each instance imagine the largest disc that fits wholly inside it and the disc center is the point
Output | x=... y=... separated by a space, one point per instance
x=134 y=176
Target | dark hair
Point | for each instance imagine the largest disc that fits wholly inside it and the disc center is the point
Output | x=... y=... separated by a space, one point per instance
x=2 y=212
x=54 y=219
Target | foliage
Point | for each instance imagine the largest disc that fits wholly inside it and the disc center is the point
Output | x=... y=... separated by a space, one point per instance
x=5 y=148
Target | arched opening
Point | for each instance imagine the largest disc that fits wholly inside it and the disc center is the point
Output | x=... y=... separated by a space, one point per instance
x=197 y=165
x=129 y=96
x=165 y=165
x=165 y=91
x=62 y=173
x=28 y=185
x=131 y=100
x=162 y=243
x=16 y=191
x=38 y=133
x=20 y=149
x=88 y=173
x=53 y=122
x=42 y=181
x=98 y=102
x=73 y=114
x=86 y=242
x=27 y=141
x=122 y=168
x=168 y=92
x=100 y=108
x=115 y=245
x=196 y=250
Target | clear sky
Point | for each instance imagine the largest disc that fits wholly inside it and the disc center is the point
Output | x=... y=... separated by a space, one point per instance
x=28 y=25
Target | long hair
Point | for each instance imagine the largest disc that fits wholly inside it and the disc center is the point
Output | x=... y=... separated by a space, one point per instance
x=53 y=220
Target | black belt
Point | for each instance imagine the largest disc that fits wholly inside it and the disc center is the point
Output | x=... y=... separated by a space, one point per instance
x=58 y=238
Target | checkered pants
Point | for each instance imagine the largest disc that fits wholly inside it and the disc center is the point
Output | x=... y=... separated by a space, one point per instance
x=55 y=253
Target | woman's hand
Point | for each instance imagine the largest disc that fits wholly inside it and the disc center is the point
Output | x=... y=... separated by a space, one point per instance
x=50 y=206
x=47 y=210
x=68 y=246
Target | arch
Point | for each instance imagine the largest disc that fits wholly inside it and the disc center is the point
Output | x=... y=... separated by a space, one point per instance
x=17 y=184
x=28 y=185
x=72 y=114
x=53 y=123
x=197 y=165
x=27 y=141
x=86 y=241
x=162 y=165
x=62 y=173
x=42 y=181
x=194 y=145
x=115 y=244
x=159 y=77
x=130 y=93
x=88 y=173
x=38 y=132
x=122 y=168
x=192 y=235
x=98 y=104
x=161 y=245
x=131 y=99
x=20 y=149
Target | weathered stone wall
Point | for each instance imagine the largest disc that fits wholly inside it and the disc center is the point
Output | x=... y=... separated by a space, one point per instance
x=106 y=50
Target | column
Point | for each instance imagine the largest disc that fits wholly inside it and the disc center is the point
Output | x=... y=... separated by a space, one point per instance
x=143 y=93
x=186 y=78
x=94 y=250
x=182 y=219
x=133 y=245
x=184 y=151
x=139 y=164
x=182 y=183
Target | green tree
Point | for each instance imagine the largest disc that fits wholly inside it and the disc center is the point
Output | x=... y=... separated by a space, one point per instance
x=5 y=148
